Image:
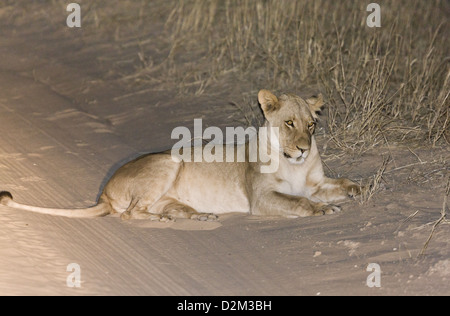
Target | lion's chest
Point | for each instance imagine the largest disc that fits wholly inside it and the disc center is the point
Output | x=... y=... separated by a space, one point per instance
x=293 y=186
x=293 y=180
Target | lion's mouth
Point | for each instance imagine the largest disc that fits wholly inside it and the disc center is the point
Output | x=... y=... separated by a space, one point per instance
x=295 y=160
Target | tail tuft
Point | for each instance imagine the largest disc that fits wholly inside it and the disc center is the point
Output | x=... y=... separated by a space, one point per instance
x=5 y=197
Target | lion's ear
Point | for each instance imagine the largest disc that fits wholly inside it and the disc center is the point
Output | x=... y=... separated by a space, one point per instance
x=269 y=102
x=315 y=104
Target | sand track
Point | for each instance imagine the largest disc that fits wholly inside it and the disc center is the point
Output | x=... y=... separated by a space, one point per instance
x=58 y=151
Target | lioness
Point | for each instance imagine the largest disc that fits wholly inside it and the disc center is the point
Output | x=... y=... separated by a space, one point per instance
x=158 y=187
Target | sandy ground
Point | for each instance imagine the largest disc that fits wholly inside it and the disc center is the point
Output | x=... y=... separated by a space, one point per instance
x=65 y=128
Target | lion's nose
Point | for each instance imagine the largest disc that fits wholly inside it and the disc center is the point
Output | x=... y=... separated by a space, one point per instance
x=302 y=149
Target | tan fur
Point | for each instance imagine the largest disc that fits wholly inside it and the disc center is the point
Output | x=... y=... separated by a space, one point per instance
x=159 y=188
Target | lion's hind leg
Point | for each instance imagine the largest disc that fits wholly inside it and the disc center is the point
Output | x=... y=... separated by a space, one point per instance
x=136 y=210
x=165 y=210
x=176 y=209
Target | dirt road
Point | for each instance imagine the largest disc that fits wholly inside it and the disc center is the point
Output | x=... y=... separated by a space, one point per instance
x=58 y=151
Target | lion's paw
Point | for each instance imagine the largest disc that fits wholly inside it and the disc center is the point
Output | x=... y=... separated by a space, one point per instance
x=326 y=209
x=204 y=217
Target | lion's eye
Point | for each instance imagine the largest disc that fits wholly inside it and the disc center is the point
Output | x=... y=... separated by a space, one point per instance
x=290 y=123
x=311 y=124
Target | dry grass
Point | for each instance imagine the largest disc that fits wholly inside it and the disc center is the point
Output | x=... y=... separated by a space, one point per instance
x=373 y=184
x=388 y=84
x=441 y=220
x=392 y=82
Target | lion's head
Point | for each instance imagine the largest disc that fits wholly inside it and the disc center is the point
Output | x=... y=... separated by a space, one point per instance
x=296 y=119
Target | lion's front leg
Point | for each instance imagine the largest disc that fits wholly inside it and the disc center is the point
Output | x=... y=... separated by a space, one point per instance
x=334 y=190
x=279 y=204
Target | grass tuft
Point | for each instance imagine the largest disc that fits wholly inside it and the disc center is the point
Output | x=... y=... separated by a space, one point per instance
x=390 y=81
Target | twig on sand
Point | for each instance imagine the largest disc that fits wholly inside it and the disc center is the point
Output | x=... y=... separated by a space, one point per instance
x=374 y=185
x=439 y=221
x=405 y=220
x=407 y=166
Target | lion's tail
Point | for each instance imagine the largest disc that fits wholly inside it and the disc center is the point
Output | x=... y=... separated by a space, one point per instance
x=103 y=208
